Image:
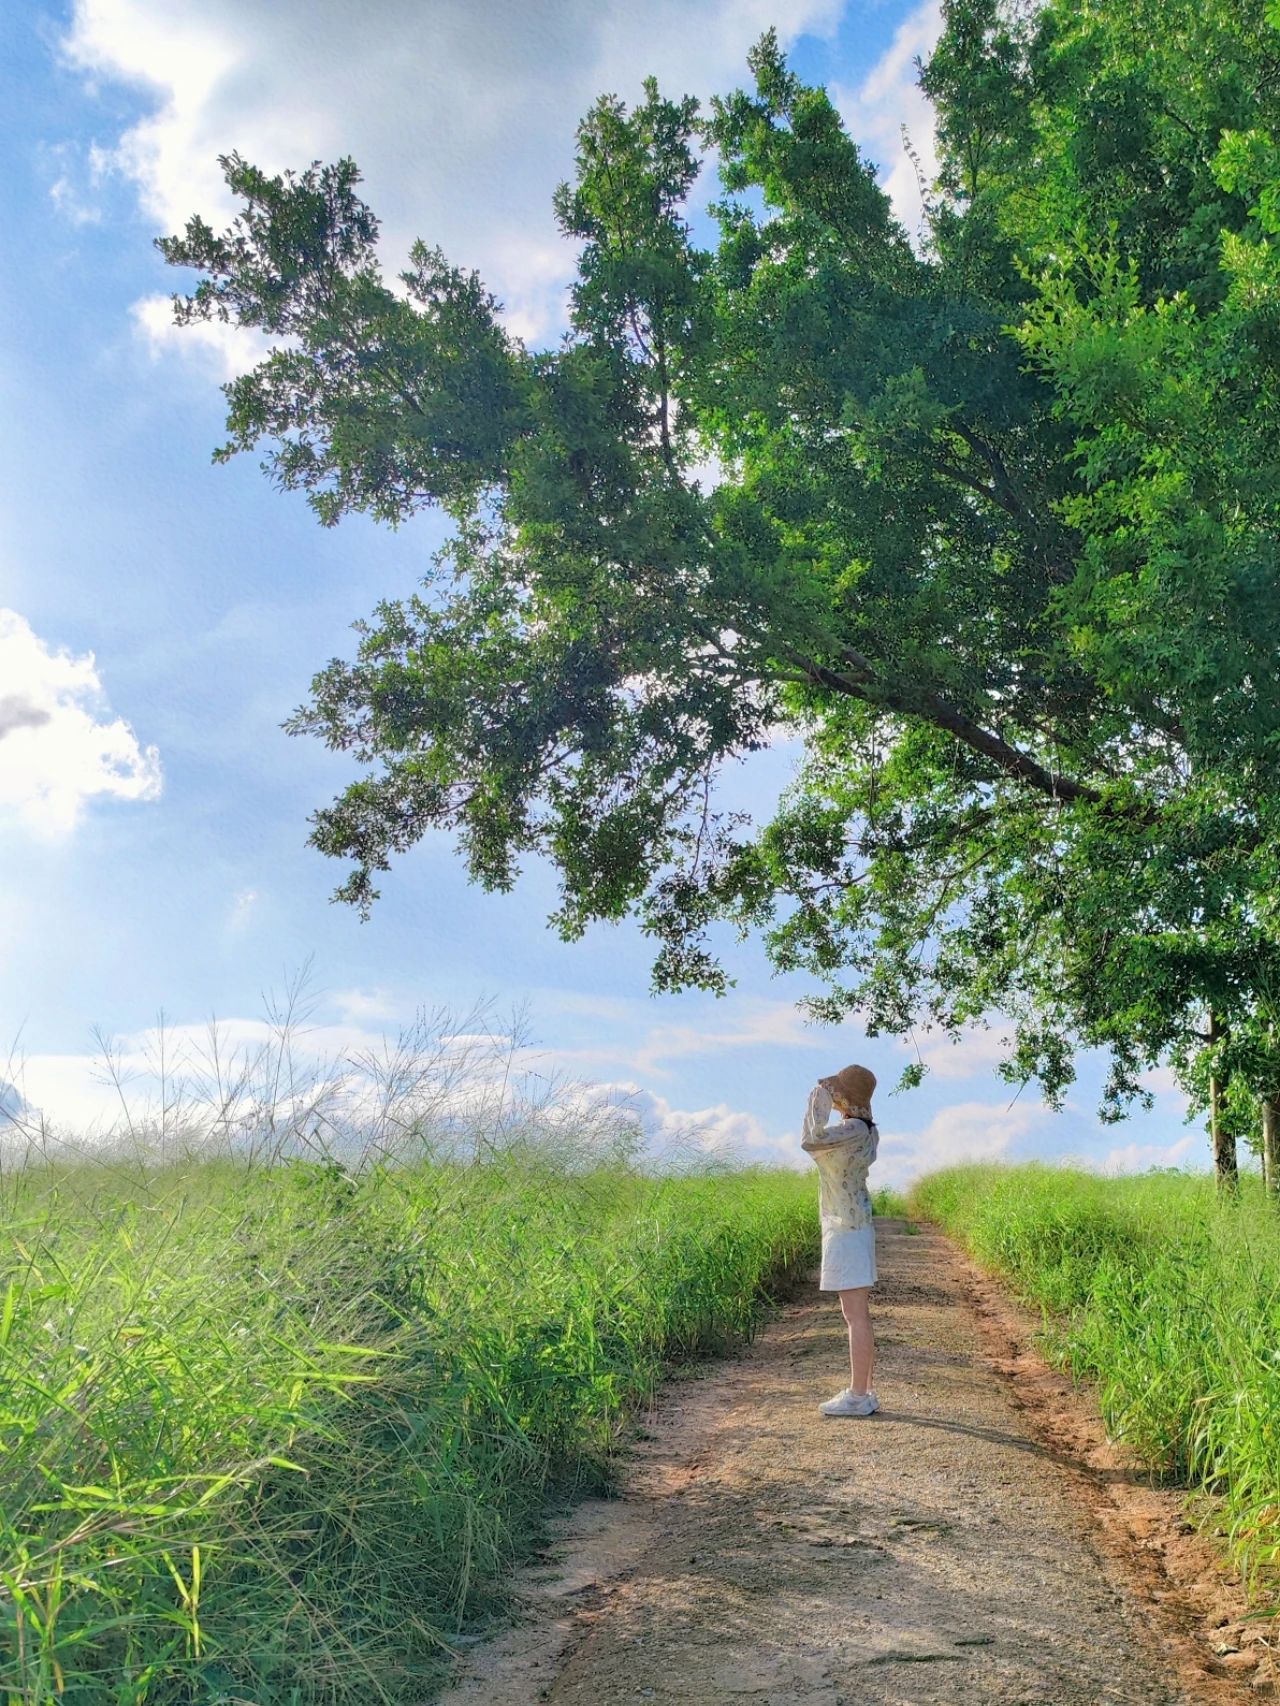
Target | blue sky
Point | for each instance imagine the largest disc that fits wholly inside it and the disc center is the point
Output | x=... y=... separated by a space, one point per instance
x=160 y=617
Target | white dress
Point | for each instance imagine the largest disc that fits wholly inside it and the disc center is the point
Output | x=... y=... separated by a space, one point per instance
x=843 y=1152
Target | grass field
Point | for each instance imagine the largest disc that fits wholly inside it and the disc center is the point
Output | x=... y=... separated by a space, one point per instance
x=1169 y=1300
x=276 y=1433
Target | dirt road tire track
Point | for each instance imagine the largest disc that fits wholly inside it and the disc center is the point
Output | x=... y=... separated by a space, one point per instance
x=958 y=1547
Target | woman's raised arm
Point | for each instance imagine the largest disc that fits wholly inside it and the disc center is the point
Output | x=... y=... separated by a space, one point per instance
x=816 y=1115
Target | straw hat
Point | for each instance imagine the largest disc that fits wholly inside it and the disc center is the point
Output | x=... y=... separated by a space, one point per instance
x=854 y=1086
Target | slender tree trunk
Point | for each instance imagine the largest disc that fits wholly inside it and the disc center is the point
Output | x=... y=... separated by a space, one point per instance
x=1271 y=1144
x=1223 y=1140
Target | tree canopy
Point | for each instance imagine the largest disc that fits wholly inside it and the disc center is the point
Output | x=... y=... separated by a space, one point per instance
x=993 y=528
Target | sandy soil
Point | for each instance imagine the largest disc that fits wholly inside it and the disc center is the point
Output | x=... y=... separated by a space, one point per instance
x=977 y=1541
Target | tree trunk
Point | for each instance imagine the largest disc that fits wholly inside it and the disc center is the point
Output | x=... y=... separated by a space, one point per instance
x=1223 y=1140
x=1271 y=1144
x=1224 y=1143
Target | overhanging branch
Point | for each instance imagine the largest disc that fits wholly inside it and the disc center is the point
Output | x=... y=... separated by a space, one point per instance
x=860 y=681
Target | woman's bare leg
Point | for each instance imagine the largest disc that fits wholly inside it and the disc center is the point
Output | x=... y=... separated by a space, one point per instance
x=855 y=1305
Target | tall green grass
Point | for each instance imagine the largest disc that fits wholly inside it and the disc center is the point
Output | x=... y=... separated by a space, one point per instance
x=276 y=1433
x=1165 y=1297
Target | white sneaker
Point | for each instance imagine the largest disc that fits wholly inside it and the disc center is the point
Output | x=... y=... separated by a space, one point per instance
x=848 y=1403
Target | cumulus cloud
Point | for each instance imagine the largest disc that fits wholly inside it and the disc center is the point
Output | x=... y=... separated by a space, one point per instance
x=67 y=1089
x=966 y=1131
x=1137 y=1157
x=669 y=1134
x=19 y=713
x=323 y=1069
x=277 y=1064
x=58 y=748
x=282 y=1084
x=223 y=351
x=460 y=115
x=888 y=102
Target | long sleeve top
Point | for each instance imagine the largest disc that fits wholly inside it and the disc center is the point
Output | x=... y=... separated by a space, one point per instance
x=844 y=1153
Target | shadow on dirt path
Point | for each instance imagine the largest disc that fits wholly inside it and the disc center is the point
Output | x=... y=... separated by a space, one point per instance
x=764 y=1555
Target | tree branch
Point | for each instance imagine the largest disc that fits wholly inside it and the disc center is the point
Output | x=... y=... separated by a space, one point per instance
x=860 y=681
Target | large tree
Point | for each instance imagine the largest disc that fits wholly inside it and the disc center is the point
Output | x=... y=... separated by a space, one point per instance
x=1155 y=321
x=994 y=532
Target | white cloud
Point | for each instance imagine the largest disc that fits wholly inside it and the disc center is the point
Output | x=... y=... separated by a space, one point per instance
x=772 y=1024
x=979 y=1050
x=966 y=1131
x=240 y=1061
x=58 y=749
x=74 y=191
x=67 y=1089
x=1163 y=1081
x=223 y=350
x=460 y=115
x=347 y=1075
x=71 y=204
x=343 y=1086
x=1137 y=1157
x=888 y=99
x=670 y=1133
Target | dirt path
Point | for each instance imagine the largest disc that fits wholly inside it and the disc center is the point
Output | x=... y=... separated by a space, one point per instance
x=763 y=1555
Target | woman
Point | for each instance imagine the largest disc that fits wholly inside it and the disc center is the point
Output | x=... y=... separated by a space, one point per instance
x=843 y=1153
